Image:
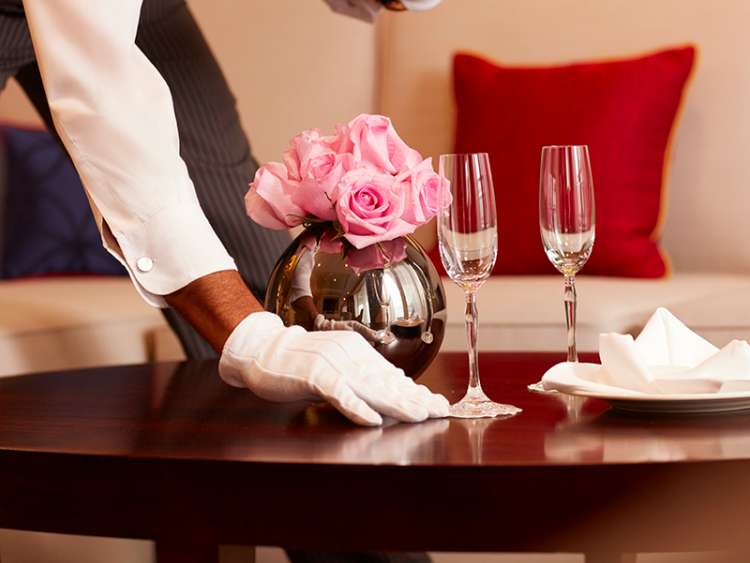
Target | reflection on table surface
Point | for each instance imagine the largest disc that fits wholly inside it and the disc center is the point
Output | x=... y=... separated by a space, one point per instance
x=185 y=411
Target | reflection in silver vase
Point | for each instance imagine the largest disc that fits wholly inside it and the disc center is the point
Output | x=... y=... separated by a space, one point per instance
x=390 y=293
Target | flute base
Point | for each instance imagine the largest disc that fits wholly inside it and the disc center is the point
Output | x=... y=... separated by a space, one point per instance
x=475 y=404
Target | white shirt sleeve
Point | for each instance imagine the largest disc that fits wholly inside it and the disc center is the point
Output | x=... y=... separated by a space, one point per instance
x=364 y=10
x=114 y=114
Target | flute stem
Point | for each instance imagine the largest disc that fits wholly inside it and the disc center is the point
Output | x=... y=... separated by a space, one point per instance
x=570 y=316
x=471 y=319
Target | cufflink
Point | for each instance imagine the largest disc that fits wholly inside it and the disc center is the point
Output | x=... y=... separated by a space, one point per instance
x=144 y=264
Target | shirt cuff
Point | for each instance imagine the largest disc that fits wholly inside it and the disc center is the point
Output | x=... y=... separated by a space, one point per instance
x=174 y=247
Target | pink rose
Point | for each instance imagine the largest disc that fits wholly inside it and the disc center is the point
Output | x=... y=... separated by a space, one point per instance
x=423 y=190
x=373 y=141
x=318 y=168
x=369 y=206
x=305 y=146
x=316 y=189
x=268 y=201
x=376 y=255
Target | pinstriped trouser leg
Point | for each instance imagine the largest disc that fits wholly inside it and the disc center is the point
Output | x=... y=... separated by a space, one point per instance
x=213 y=145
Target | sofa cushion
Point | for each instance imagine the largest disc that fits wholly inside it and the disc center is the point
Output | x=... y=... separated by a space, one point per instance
x=526 y=312
x=65 y=323
x=48 y=227
x=624 y=111
x=720 y=317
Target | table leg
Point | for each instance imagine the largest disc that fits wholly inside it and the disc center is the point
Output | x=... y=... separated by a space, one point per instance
x=173 y=553
x=236 y=554
x=167 y=552
x=610 y=557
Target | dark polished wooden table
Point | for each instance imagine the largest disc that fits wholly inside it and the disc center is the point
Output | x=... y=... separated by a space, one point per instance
x=168 y=452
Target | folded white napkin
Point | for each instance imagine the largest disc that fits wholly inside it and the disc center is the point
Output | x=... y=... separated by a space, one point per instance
x=666 y=358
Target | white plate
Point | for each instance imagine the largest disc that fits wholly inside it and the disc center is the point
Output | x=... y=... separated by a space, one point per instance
x=633 y=401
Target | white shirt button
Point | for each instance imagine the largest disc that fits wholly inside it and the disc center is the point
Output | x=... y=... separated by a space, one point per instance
x=144 y=264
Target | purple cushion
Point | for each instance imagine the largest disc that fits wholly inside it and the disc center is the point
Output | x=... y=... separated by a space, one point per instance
x=48 y=227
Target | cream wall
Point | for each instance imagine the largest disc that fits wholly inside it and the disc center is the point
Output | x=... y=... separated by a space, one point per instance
x=292 y=64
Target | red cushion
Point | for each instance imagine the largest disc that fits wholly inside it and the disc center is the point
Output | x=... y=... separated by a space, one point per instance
x=624 y=110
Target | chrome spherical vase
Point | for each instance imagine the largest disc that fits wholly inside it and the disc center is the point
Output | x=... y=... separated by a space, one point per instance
x=389 y=292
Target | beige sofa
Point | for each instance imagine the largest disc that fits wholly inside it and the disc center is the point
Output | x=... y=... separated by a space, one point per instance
x=402 y=69
x=408 y=58
x=61 y=323
x=706 y=206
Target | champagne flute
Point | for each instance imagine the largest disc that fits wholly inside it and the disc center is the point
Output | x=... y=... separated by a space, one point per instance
x=567 y=222
x=467 y=234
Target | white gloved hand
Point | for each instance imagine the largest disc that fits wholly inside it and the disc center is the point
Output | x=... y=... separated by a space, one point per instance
x=321 y=323
x=282 y=364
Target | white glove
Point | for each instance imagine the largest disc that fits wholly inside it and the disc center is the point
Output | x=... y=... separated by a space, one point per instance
x=280 y=363
x=321 y=323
